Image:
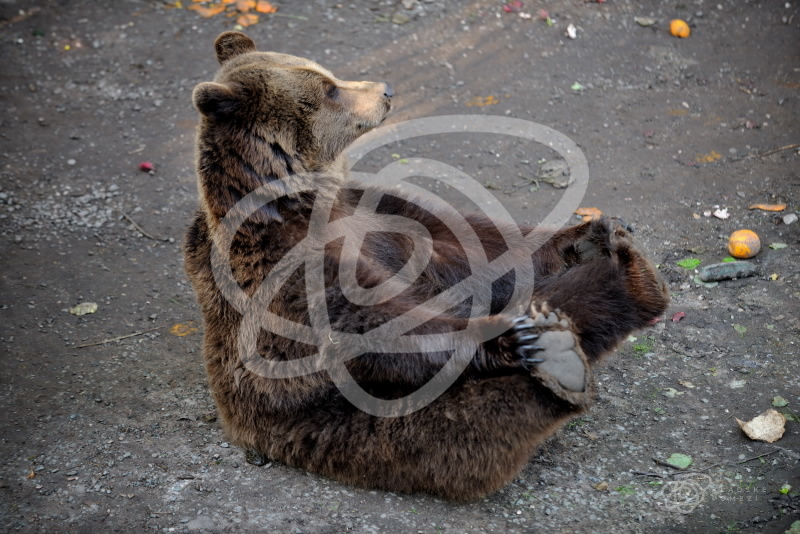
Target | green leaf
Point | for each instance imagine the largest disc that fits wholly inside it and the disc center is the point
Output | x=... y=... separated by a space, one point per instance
x=689 y=263
x=740 y=328
x=779 y=402
x=626 y=490
x=777 y=246
x=791 y=417
x=785 y=489
x=577 y=87
x=680 y=461
x=728 y=259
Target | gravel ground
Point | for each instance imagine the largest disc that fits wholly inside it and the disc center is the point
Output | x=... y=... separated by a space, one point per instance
x=107 y=422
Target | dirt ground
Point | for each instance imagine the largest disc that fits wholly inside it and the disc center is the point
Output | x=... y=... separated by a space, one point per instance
x=121 y=436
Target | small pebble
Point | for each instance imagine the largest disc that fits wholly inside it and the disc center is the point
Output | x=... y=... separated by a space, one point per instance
x=71 y=162
x=224 y=445
x=789 y=218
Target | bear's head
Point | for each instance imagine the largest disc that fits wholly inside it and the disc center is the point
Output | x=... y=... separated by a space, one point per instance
x=291 y=103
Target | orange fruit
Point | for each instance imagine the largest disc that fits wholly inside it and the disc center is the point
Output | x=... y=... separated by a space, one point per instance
x=679 y=28
x=743 y=244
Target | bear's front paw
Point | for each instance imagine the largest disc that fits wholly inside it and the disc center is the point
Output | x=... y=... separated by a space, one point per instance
x=545 y=343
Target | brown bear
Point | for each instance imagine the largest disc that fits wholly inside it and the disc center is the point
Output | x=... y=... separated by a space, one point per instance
x=278 y=125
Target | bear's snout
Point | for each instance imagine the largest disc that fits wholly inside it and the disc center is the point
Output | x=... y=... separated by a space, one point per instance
x=388 y=90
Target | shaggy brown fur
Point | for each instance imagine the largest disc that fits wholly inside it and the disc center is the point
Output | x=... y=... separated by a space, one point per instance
x=269 y=120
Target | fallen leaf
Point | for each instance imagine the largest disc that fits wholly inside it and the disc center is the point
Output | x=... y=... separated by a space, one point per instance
x=777 y=246
x=791 y=417
x=779 y=402
x=589 y=214
x=768 y=207
x=736 y=384
x=577 y=87
x=686 y=384
x=768 y=427
x=601 y=486
x=265 y=7
x=773 y=276
x=208 y=12
x=84 y=308
x=740 y=328
x=678 y=316
x=31 y=475
x=689 y=263
x=680 y=461
x=708 y=158
x=481 y=101
x=671 y=393
x=248 y=19
x=182 y=330
x=728 y=259
x=645 y=21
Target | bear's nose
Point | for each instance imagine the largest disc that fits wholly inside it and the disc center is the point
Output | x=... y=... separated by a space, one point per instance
x=388 y=91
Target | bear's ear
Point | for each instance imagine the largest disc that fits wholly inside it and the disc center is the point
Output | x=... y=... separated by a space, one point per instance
x=215 y=99
x=230 y=44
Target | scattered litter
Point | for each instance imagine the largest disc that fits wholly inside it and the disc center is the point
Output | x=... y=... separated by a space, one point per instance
x=743 y=244
x=241 y=9
x=679 y=28
x=545 y=16
x=737 y=384
x=589 y=214
x=721 y=213
x=146 y=166
x=513 y=7
x=679 y=461
x=789 y=218
x=777 y=246
x=768 y=207
x=779 y=402
x=768 y=427
x=671 y=393
x=689 y=263
x=572 y=31
x=785 y=489
x=726 y=271
x=773 y=276
x=577 y=87
x=645 y=21
x=678 y=316
x=84 y=308
x=601 y=486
